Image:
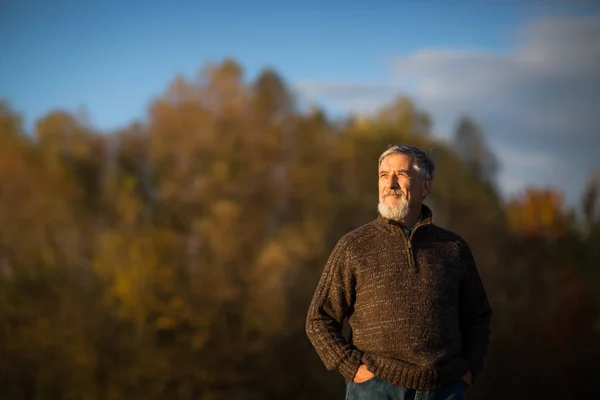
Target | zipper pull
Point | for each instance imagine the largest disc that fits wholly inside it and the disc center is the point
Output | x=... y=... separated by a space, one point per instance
x=411 y=260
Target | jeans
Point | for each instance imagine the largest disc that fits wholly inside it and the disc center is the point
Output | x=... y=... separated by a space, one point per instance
x=378 y=389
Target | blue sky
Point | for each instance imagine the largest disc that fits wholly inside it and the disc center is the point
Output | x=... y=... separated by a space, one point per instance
x=113 y=57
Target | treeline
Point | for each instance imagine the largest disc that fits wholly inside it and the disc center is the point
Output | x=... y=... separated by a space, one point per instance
x=176 y=258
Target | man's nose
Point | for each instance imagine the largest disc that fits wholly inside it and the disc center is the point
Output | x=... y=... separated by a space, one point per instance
x=394 y=182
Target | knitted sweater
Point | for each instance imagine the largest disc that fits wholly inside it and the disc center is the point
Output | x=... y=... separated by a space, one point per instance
x=418 y=311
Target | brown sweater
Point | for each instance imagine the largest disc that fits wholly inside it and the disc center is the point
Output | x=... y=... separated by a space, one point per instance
x=419 y=313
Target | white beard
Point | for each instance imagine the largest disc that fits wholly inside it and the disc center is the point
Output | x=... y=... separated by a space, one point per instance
x=397 y=212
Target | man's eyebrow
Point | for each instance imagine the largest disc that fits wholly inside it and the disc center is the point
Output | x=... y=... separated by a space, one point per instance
x=406 y=171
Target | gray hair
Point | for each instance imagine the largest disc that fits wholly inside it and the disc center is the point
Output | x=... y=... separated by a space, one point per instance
x=422 y=163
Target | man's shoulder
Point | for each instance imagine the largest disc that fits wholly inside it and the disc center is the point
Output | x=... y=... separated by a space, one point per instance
x=360 y=235
x=446 y=235
x=451 y=244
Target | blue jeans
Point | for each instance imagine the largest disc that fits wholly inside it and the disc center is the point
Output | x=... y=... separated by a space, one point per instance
x=378 y=389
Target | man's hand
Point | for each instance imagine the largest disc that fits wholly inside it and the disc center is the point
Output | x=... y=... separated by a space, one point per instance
x=468 y=378
x=363 y=374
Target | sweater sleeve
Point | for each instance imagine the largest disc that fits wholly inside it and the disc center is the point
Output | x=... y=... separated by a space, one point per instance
x=332 y=302
x=475 y=316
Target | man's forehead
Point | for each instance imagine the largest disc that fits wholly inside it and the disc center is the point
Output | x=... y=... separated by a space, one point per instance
x=395 y=161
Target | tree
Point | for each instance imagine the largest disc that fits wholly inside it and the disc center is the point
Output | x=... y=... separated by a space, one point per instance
x=538 y=213
x=469 y=143
x=403 y=116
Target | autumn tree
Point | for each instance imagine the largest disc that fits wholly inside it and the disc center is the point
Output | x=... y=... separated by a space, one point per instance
x=470 y=143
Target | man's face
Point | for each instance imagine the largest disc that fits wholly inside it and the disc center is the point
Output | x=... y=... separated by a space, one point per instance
x=399 y=185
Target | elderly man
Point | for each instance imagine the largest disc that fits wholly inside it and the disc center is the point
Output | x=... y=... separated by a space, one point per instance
x=418 y=310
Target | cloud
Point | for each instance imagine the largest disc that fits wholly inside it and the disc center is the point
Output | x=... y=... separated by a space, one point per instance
x=348 y=96
x=539 y=102
x=566 y=47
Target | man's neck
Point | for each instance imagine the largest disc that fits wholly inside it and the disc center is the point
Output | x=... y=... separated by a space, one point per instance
x=414 y=215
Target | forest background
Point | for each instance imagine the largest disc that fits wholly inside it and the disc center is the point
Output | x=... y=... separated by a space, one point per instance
x=176 y=258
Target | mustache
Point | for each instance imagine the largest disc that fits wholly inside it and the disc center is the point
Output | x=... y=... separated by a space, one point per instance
x=392 y=192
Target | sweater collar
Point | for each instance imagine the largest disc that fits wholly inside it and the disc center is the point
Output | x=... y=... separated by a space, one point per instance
x=395 y=228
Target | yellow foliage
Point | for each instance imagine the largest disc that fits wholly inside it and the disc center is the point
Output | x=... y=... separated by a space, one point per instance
x=267 y=296
x=164 y=322
x=140 y=276
x=537 y=212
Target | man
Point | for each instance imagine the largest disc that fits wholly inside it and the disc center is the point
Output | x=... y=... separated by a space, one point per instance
x=419 y=313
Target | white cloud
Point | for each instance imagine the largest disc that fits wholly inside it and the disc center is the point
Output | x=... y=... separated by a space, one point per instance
x=566 y=47
x=539 y=102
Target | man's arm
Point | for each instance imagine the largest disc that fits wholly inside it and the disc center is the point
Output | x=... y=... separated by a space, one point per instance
x=332 y=302
x=475 y=316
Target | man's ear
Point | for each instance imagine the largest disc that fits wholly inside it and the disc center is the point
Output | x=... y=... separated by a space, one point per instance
x=426 y=188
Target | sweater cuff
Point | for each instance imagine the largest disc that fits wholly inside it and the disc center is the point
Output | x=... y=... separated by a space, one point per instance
x=349 y=365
